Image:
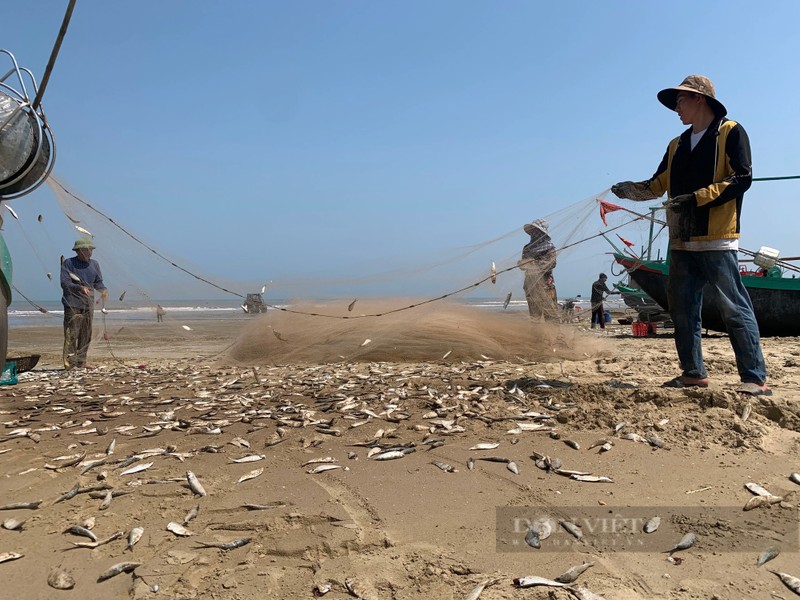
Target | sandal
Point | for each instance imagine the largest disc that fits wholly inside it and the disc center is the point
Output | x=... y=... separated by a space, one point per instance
x=754 y=389
x=684 y=382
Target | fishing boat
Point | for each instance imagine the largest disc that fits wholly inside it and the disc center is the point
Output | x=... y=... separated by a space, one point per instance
x=775 y=294
x=637 y=299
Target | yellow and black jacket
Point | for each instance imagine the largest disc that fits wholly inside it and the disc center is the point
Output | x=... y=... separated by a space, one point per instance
x=718 y=172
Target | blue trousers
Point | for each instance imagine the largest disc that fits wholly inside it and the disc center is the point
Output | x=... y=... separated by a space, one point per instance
x=689 y=272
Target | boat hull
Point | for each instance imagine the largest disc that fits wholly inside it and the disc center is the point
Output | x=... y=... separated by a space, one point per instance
x=776 y=300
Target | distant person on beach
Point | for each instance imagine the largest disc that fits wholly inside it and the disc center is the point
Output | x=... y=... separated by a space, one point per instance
x=80 y=277
x=705 y=173
x=599 y=292
x=160 y=312
x=537 y=262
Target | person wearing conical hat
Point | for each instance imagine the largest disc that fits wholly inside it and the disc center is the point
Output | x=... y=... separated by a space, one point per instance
x=80 y=277
x=705 y=173
x=537 y=262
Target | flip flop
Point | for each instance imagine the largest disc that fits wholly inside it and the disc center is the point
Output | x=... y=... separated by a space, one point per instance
x=684 y=382
x=754 y=389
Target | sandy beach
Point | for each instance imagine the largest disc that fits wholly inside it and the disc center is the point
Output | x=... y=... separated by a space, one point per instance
x=420 y=524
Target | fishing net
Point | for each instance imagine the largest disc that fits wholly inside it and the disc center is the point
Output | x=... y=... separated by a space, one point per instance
x=469 y=301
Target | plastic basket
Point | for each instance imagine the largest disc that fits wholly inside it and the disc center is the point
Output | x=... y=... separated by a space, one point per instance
x=640 y=329
x=9 y=376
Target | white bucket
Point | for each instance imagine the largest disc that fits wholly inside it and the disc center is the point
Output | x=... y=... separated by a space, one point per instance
x=766 y=257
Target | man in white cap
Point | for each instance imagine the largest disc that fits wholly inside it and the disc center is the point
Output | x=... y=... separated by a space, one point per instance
x=80 y=277
x=705 y=173
x=537 y=262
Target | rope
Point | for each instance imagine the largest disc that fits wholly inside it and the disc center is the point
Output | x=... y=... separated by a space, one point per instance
x=776 y=178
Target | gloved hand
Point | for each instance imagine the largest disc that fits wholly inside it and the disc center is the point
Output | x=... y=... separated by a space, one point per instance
x=633 y=190
x=622 y=189
x=678 y=202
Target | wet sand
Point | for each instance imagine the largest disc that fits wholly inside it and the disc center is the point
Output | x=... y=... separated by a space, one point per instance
x=401 y=528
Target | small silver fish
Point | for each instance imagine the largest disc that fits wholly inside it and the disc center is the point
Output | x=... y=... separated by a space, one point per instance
x=107 y=500
x=323 y=468
x=759 y=501
x=13 y=524
x=123 y=567
x=507 y=301
x=591 y=478
x=584 y=594
x=226 y=545
x=574 y=530
x=60 y=580
x=82 y=531
x=137 y=469
x=251 y=475
x=791 y=582
x=652 y=524
x=485 y=446
x=351 y=305
x=178 y=529
x=83 y=231
x=756 y=489
x=686 y=542
x=194 y=484
x=795 y=478
x=538 y=531
x=113 y=537
x=390 y=455
x=444 y=467
x=191 y=514
x=534 y=580
x=111 y=446
x=478 y=590
x=248 y=459
x=767 y=555
x=512 y=466
x=7 y=556
x=573 y=444
x=470 y=463
x=492 y=273
x=134 y=536
x=571 y=575
x=619 y=426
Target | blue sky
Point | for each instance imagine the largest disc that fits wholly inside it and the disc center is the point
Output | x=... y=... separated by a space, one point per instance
x=294 y=140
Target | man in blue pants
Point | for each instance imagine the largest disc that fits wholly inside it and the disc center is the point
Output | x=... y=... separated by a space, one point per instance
x=705 y=173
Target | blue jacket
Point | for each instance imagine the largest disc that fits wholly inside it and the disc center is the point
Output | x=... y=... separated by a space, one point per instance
x=89 y=275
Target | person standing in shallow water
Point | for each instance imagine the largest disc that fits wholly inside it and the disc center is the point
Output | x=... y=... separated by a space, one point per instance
x=705 y=173
x=599 y=291
x=160 y=312
x=80 y=277
x=537 y=262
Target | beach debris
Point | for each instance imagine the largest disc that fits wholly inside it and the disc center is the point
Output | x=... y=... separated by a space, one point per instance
x=225 y=545
x=178 y=529
x=81 y=531
x=137 y=469
x=250 y=475
x=795 y=478
x=507 y=301
x=320 y=589
x=60 y=579
x=572 y=574
x=512 y=466
x=195 y=485
x=651 y=525
x=123 y=567
x=445 y=467
x=8 y=556
x=534 y=580
x=605 y=447
x=538 y=531
x=791 y=582
x=573 y=444
x=134 y=536
x=351 y=305
x=485 y=446
x=756 y=489
x=13 y=524
x=685 y=543
x=759 y=501
x=767 y=555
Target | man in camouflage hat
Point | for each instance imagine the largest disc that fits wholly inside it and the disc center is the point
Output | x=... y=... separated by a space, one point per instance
x=537 y=262
x=705 y=173
x=80 y=277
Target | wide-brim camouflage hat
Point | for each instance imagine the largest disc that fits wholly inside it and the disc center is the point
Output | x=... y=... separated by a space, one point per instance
x=538 y=224
x=697 y=84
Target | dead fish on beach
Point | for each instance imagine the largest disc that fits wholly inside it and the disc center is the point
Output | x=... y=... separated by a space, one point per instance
x=538 y=531
x=226 y=545
x=137 y=469
x=178 y=529
x=756 y=489
x=470 y=463
x=194 y=484
x=191 y=514
x=573 y=444
x=759 y=501
x=795 y=478
x=13 y=524
x=251 y=475
x=592 y=478
x=651 y=525
x=107 y=500
x=574 y=530
x=60 y=580
x=82 y=531
x=791 y=582
x=445 y=467
x=573 y=573
x=767 y=555
x=584 y=594
x=8 y=556
x=323 y=468
x=478 y=590
x=69 y=495
x=113 y=537
x=686 y=542
x=512 y=466
x=123 y=567
x=249 y=458
x=533 y=581
x=485 y=446
x=134 y=536
x=319 y=461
